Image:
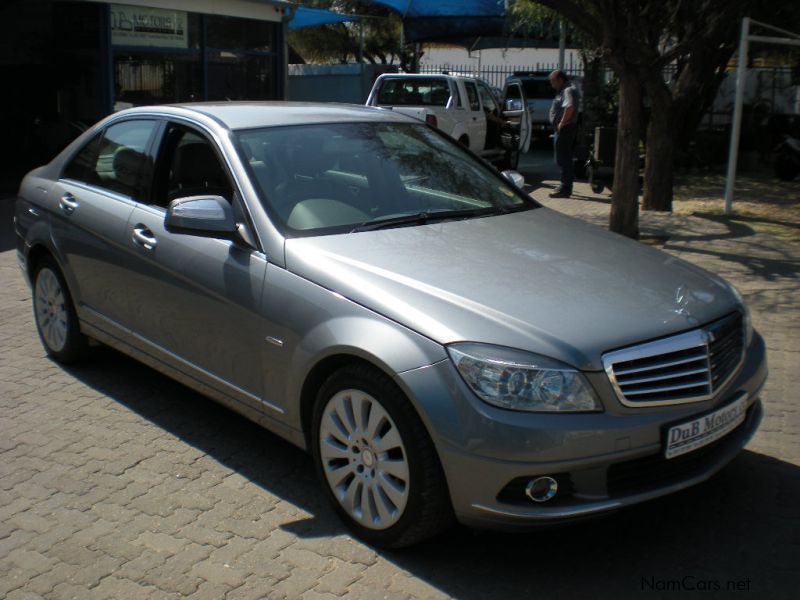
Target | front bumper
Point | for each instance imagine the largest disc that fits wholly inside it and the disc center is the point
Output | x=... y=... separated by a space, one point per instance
x=602 y=461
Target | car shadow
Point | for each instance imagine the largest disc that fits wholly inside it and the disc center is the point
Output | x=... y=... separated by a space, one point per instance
x=7 y=235
x=741 y=526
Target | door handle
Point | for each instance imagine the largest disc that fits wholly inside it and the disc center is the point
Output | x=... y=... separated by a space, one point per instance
x=68 y=203
x=143 y=237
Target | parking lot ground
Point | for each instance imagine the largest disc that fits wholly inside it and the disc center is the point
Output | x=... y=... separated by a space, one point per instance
x=116 y=482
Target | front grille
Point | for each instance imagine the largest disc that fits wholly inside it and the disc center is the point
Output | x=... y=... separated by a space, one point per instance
x=689 y=367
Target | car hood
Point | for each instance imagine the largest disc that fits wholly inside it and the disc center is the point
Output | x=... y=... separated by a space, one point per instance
x=536 y=280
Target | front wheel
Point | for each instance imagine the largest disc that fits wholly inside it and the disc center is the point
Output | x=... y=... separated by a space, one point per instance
x=56 y=319
x=376 y=460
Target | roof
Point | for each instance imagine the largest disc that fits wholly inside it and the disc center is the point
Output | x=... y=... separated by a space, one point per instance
x=429 y=76
x=245 y=115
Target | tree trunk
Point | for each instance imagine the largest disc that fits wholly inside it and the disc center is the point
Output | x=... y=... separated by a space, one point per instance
x=624 y=216
x=660 y=156
x=593 y=83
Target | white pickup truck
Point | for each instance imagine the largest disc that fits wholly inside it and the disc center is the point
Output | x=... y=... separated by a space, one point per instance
x=464 y=108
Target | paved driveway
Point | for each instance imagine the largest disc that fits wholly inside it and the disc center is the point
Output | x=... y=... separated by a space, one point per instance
x=116 y=482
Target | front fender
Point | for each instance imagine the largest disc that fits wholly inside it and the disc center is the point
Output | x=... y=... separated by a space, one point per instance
x=318 y=324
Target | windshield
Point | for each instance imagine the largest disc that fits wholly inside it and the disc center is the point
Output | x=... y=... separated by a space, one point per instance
x=344 y=177
x=538 y=89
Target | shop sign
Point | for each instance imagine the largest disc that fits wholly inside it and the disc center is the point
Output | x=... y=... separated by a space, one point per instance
x=142 y=26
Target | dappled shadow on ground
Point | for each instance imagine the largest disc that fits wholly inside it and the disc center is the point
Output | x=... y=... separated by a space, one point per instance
x=742 y=525
x=761 y=187
x=735 y=242
x=748 y=218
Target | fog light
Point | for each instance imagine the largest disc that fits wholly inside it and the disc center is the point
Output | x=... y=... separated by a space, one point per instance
x=541 y=489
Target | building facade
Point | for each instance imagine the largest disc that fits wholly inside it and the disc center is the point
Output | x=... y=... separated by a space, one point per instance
x=66 y=64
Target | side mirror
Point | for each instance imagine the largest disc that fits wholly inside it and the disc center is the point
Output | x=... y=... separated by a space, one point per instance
x=514 y=177
x=208 y=216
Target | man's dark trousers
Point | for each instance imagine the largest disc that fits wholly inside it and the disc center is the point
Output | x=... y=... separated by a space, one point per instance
x=564 y=143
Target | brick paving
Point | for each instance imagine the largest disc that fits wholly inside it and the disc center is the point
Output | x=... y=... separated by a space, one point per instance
x=116 y=482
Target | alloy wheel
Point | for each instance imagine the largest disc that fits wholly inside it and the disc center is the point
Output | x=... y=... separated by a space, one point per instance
x=364 y=460
x=51 y=309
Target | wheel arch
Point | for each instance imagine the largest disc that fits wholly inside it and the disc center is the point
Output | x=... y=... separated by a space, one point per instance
x=319 y=373
x=35 y=254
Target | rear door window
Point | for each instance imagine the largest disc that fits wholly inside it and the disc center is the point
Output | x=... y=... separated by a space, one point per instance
x=118 y=160
x=487 y=97
x=82 y=164
x=472 y=95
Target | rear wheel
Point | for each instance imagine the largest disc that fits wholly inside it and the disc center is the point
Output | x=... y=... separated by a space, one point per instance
x=376 y=460
x=56 y=319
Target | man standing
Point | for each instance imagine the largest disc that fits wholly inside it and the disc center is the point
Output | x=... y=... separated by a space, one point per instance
x=564 y=119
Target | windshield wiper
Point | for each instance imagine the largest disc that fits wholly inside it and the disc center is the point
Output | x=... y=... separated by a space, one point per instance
x=421 y=218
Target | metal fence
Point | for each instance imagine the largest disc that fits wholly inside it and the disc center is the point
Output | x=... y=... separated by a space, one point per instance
x=496 y=75
x=775 y=89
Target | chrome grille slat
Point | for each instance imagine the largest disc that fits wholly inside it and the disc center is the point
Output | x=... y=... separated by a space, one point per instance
x=688 y=367
x=663 y=365
x=660 y=377
x=669 y=388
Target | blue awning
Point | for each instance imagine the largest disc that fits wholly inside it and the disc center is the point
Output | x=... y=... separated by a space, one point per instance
x=311 y=17
x=446 y=8
x=448 y=19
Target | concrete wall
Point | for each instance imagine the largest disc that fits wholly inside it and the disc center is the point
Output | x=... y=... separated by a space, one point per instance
x=349 y=83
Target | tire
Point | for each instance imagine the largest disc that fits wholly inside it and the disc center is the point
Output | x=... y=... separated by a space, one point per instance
x=55 y=316
x=376 y=460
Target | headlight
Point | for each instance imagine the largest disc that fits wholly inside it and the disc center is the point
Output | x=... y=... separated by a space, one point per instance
x=746 y=320
x=519 y=380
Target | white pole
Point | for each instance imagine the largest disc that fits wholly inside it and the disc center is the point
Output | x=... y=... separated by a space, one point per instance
x=562 y=43
x=736 y=125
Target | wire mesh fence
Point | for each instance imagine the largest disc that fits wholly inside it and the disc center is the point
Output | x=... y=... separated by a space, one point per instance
x=496 y=75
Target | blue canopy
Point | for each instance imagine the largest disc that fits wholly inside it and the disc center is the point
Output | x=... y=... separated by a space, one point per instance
x=311 y=17
x=448 y=19
x=446 y=8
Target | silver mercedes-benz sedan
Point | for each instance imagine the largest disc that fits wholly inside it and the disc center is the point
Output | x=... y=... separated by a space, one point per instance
x=366 y=288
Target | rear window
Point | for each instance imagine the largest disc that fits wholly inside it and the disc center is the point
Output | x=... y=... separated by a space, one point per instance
x=538 y=88
x=414 y=92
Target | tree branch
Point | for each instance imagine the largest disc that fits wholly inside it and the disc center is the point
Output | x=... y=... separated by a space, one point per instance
x=576 y=13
